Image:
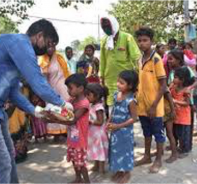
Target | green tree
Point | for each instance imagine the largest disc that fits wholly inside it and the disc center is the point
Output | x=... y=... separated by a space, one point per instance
x=71 y=3
x=7 y=26
x=86 y=41
x=20 y=7
x=15 y=7
x=165 y=17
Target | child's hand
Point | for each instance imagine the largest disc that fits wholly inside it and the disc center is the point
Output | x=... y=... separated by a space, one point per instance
x=7 y=105
x=53 y=117
x=112 y=127
x=152 y=111
x=174 y=101
x=173 y=115
x=108 y=126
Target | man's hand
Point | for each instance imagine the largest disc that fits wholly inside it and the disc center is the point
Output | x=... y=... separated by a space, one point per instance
x=38 y=112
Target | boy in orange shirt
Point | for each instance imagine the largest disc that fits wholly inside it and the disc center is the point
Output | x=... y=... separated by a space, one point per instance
x=152 y=86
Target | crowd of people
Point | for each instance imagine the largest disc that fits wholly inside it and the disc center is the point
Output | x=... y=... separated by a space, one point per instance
x=133 y=80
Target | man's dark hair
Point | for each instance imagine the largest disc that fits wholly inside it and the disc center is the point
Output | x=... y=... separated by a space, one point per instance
x=46 y=27
x=172 y=41
x=68 y=48
x=145 y=31
x=77 y=79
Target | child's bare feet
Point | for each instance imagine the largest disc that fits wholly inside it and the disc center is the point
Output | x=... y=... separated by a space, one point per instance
x=95 y=168
x=144 y=160
x=36 y=140
x=183 y=155
x=168 y=148
x=124 y=177
x=77 y=180
x=101 y=167
x=154 y=154
x=115 y=176
x=172 y=158
x=155 y=167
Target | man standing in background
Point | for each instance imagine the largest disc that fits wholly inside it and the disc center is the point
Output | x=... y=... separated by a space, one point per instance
x=119 y=52
x=71 y=60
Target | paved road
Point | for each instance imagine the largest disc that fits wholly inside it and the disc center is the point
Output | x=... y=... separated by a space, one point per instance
x=46 y=163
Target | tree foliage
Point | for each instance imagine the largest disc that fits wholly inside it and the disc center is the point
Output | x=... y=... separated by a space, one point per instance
x=66 y=3
x=20 y=7
x=165 y=17
x=15 y=7
x=7 y=26
x=86 y=41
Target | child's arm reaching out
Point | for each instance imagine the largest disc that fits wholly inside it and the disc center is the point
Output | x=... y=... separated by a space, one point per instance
x=57 y=118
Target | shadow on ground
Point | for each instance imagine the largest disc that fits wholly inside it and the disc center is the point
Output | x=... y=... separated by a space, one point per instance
x=46 y=163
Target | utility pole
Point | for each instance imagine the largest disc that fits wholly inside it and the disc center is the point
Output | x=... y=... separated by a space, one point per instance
x=98 y=27
x=186 y=19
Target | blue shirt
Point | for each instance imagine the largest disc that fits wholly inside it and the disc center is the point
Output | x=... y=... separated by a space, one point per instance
x=18 y=60
x=72 y=64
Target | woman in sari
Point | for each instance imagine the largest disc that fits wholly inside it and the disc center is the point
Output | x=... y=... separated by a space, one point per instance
x=89 y=64
x=55 y=68
x=19 y=129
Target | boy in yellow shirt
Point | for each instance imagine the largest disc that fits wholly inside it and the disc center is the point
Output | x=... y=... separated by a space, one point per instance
x=152 y=86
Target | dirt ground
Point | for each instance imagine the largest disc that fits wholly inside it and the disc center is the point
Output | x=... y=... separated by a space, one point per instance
x=46 y=163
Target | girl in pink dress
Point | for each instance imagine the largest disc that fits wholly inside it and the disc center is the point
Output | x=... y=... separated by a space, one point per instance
x=77 y=139
x=97 y=136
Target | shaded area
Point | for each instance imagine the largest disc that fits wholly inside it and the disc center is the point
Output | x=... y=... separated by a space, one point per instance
x=46 y=163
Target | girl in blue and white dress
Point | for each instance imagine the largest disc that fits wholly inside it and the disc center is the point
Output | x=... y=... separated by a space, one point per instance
x=124 y=114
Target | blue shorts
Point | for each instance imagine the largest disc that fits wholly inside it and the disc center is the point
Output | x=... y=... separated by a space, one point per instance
x=153 y=127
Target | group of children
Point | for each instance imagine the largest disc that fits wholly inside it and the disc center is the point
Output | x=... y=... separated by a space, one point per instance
x=88 y=133
x=144 y=94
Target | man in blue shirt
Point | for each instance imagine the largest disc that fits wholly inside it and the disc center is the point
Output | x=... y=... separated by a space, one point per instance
x=18 y=60
x=71 y=60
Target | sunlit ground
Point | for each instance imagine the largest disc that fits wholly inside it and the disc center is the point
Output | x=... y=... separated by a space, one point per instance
x=46 y=163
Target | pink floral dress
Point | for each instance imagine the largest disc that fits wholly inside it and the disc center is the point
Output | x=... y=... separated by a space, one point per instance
x=97 y=137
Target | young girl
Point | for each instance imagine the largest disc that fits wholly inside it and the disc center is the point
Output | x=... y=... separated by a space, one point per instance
x=181 y=98
x=168 y=120
x=176 y=61
x=38 y=125
x=97 y=136
x=121 y=156
x=78 y=128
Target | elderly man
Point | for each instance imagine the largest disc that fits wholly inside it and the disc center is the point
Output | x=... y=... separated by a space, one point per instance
x=119 y=52
x=18 y=60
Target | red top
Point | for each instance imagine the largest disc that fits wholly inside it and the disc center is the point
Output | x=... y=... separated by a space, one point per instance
x=183 y=116
x=189 y=54
x=78 y=133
